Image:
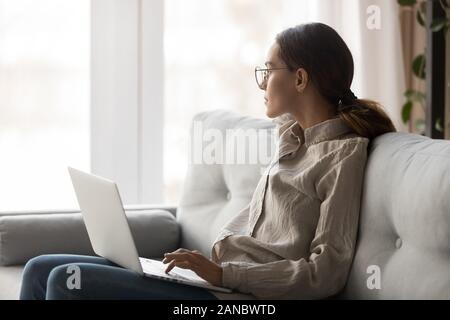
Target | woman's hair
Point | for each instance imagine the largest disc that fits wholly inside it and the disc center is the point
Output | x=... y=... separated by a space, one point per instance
x=321 y=51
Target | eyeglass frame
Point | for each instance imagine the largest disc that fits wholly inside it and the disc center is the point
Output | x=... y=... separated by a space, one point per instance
x=258 y=68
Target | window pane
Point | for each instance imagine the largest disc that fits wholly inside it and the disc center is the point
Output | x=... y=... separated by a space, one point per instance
x=44 y=101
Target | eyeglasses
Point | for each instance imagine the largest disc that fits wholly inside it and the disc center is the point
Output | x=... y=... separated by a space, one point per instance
x=262 y=75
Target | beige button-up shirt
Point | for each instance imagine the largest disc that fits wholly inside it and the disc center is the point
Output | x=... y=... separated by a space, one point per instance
x=296 y=237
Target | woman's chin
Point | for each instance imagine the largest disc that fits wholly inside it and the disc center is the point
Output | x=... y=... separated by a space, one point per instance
x=271 y=113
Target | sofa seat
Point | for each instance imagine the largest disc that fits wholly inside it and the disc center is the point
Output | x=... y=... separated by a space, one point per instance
x=10 y=280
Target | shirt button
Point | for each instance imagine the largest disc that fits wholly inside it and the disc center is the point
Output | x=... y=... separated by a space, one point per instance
x=228 y=195
x=398 y=243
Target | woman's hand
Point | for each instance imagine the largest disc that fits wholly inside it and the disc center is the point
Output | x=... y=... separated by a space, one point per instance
x=195 y=261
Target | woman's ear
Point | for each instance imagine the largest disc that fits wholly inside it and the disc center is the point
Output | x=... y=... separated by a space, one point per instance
x=301 y=79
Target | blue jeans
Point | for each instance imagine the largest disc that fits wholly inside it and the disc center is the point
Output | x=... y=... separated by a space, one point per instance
x=52 y=277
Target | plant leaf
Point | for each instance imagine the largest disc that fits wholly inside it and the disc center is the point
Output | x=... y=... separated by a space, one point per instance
x=406 y=111
x=438 y=24
x=420 y=18
x=418 y=66
x=407 y=2
x=414 y=96
x=438 y=125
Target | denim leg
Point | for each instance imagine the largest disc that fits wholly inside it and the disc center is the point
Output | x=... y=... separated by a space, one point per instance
x=112 y=282
x=37 y=270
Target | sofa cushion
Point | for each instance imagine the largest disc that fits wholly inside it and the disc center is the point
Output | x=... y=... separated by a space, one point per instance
x=25 y=236
x=10 y=281
x=403 y=247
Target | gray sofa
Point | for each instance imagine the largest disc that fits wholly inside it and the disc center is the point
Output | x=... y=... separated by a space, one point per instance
x=403 y=246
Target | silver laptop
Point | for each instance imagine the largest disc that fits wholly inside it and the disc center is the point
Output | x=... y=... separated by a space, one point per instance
x=110 y=235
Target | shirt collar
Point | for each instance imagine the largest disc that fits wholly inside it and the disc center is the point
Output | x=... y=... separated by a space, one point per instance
x=325 y=130
x=292 y=136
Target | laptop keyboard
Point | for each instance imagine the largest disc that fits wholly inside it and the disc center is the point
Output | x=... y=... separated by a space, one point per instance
x=157 y=268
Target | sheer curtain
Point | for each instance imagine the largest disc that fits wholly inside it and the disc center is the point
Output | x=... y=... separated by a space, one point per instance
x=413 y=42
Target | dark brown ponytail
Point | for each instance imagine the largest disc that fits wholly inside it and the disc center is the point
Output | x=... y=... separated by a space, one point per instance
x=321 y=51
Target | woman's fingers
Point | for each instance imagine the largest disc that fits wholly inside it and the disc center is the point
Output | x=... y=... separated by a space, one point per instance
x=194 y=256
x=180 y=264
x=180 y=250
x=187 y=259
x=195 y=261
x=180 y=256
x=184 y=260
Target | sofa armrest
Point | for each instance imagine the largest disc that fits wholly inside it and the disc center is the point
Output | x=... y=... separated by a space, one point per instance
x=166 y=207
x=138 y=207
x=24 y=236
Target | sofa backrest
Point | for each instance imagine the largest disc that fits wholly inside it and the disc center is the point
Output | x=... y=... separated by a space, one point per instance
x=403 y=247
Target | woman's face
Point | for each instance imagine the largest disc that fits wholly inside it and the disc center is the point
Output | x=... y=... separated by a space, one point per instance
x=280 y=91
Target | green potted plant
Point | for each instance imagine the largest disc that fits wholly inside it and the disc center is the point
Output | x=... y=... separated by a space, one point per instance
x=419 y=62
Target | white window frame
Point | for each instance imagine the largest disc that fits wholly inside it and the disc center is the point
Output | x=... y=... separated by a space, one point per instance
x=127 y=90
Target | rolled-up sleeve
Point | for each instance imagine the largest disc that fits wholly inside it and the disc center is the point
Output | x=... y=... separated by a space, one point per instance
x=324 y=273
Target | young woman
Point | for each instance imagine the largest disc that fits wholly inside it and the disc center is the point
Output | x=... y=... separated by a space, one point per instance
x=296 y=238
